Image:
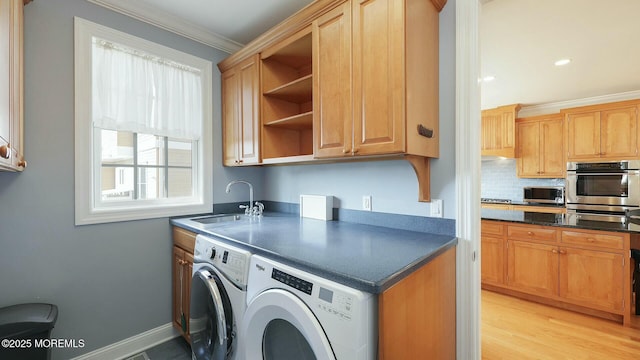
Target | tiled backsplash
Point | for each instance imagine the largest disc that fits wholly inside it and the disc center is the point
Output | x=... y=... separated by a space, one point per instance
x=499 y=180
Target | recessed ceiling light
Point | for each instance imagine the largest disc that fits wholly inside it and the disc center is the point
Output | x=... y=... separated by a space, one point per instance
x=488 y=78
x=562 y=62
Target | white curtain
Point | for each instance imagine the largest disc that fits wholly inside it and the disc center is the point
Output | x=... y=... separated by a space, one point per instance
x=138 y=92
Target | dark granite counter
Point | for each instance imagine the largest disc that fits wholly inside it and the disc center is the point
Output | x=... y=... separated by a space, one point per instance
x=365 y=257
x=550 y=219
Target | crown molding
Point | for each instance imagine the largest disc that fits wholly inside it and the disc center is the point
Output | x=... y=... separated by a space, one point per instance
x=170 y=23
x=555 y=107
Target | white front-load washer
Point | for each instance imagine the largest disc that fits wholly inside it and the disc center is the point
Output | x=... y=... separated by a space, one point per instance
x=292 y=314
x=218 y=299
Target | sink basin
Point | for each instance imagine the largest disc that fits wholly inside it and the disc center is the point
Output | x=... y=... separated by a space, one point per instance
x=214 y=219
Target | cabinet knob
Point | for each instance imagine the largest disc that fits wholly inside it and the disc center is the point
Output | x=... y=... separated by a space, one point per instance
x=563 y=252
x=345 y=151
x=554 y=251
x=5 y=151
x=22 y=163
x=355 y=151
x=529 y=233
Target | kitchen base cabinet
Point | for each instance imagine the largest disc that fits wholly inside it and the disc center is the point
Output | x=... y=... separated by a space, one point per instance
x=492 y=253
x=182 y=267
x=575 y=269
x=532 y=267
x=592 y=278
x=417 y=318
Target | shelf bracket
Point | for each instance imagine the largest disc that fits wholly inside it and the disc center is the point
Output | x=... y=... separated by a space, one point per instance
x=421 y=167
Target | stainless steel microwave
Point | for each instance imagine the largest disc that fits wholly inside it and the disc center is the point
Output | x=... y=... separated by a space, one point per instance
x=544 y=195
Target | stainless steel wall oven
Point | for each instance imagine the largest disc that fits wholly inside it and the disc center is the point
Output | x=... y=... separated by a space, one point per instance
x=603 y=190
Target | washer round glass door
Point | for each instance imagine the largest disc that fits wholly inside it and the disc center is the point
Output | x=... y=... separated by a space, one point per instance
x=278 y=325
x=210 y=317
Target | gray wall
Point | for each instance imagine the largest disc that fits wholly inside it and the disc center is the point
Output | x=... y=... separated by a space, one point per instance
x=110 y=281
x=113 y=281
x=500 y=180
x=392 y=184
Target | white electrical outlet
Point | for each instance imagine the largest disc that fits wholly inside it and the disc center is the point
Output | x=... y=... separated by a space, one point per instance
x=366 y=202
x=436 y=208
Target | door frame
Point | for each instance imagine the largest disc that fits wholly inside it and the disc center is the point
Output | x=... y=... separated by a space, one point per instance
x=467 y=105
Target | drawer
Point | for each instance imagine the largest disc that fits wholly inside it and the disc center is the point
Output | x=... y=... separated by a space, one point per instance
x=491 y=227
x=532 y=233
x=184 y=239
x=599 y=240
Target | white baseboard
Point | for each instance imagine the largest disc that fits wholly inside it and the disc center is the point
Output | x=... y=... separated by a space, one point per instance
x=133 y=345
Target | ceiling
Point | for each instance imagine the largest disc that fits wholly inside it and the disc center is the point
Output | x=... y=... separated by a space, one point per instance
x=521 y=39
x=223 y=24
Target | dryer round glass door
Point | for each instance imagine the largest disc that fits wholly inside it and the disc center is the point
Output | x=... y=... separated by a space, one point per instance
x=210 y=318
x=278 y=325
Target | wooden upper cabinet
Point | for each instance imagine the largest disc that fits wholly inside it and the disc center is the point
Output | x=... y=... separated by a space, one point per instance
x=376 y=79
x=540 y=147
x=378 y=39
x=240 y=120
x=498 y=131
x=608 y=131
x=332 y=100
x=11 y=88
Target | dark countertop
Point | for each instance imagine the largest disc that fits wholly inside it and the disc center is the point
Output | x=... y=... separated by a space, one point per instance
x=549 y=219
x=364 y=257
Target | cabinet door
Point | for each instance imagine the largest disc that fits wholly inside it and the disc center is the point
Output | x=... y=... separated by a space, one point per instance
x=248 y=122
x=186 y=290
x=619 y=133
x=583 y=136
x=532 y=267
x=179 y=287
x=492 y=265
x=378 y=82
x=11 y=82
x=592 y=278
x=332 y=115
x=552 y=160
x=529 y=149
x=230 y=116
x=240 y=96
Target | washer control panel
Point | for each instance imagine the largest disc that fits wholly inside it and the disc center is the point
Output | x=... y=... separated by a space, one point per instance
x=231 y=261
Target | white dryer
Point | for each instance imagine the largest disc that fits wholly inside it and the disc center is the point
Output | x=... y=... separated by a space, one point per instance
x=218 y=299
x=292 y=314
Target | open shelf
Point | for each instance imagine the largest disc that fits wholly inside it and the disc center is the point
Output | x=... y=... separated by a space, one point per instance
x=299 y=121
x=287 y=100
x=297 y=91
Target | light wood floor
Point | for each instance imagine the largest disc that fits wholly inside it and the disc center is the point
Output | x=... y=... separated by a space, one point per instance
x=518 y=329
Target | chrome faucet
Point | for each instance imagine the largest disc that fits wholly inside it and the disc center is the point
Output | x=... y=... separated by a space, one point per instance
x=253 y=209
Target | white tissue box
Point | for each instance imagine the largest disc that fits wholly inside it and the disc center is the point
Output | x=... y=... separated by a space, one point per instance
x=316 y=207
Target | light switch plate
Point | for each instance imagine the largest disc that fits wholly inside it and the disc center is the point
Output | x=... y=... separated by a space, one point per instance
x=436 y=208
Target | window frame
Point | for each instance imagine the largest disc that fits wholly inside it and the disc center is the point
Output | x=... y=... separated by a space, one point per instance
x=87 y=209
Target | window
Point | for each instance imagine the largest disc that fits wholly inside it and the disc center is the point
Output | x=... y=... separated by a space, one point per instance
x=142 y=128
